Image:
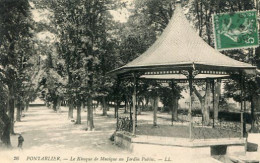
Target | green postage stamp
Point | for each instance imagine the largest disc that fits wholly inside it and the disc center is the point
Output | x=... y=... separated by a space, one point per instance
x=235 y=30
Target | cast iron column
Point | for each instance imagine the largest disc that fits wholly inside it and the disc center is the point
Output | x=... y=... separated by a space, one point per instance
x=190 y=78
x=136 y=99
x=213 y=93
x=242 y=99
x=172 y=86
x=117 y=100
x=134 y=104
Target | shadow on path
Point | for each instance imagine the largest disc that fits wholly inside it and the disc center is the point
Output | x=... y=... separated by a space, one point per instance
x=45 y=130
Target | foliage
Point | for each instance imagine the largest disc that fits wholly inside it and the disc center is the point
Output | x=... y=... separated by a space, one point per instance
x=85 y=45
x=169 y=92
x=15 y=51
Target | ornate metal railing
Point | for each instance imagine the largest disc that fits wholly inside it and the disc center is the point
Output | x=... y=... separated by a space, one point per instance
x=221 y=129
x=124 y=124
x=228 y=125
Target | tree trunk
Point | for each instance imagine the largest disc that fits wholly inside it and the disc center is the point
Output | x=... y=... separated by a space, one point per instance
x=206 y=109
x=108 y=105
x=104 y=106
x=11 y=108
x=26 y=105
x=146 y=102
x=98 y=102
x=71 y=107
x=217 y=98
x=139 y=108
x=78 y=121
x=155 y=108
x=93 y=107
x=83 y=105
x=175 y=108
x=22 y=109
x=54 y=107
x=126 y=105
x=143 y=107
x=5 y=137
x=129 y=105
x=116 y=108
x=18 y=112
x=59 y=104
x=175 y=104
x=130 y=110
x=255 y=110
x=198 y=16
x=90 y=121
x=202 y=99
x=208 y=15
x=48 y=105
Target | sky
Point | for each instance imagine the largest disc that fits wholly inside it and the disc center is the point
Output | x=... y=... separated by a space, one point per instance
x=42 y=15
x=120 y=15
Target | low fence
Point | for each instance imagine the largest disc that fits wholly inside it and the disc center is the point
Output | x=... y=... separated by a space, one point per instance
x=124 y=124
x=222 y=128
x=216 y=129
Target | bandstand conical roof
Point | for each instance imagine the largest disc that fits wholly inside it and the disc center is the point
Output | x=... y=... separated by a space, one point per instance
x=179 y=48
